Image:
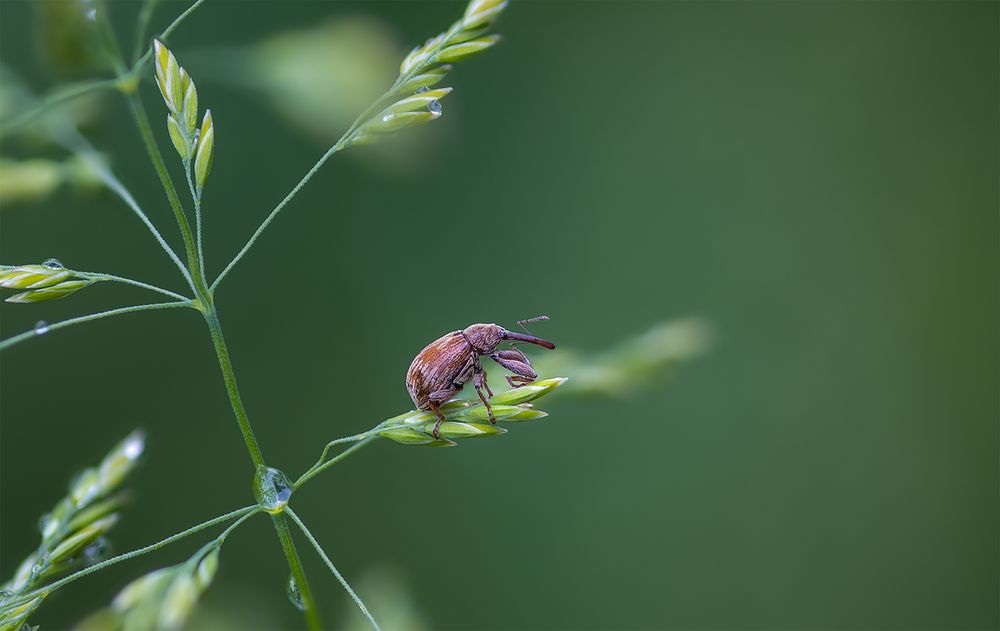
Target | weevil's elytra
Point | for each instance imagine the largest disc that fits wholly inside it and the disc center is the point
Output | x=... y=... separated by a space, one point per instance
x=445 y=365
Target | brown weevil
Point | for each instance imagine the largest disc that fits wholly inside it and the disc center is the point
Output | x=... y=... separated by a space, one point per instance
x=448 y=363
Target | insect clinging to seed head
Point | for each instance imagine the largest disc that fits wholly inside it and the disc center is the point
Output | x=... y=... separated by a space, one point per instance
x=445 y=365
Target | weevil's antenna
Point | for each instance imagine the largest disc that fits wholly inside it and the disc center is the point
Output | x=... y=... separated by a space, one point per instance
x=521 y=324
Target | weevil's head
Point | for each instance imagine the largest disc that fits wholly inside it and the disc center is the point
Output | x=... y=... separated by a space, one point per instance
x=486 y=337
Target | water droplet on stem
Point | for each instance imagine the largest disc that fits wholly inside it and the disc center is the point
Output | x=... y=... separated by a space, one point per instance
x=294 y=595
x=272 y=489
x=41 y=327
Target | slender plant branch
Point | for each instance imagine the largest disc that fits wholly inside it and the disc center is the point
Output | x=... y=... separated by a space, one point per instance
x=56 y=97
x=277 y=209
x=10 y=341
x=196 y=199
x=243 y=513
x=74 y=141
x=141 y=28
x=142 y=122
x=329 y=564
x=128 y=281
x=163 y=36
x=70 y=92
x=229 y=377
x=298 y=573
x=317 y=468
x=343 y=142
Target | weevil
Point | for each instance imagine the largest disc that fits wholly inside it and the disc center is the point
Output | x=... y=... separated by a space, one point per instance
x=445 y=365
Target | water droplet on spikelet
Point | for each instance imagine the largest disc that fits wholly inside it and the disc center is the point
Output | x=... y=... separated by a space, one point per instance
x=422 y=89
x=53 y=264
x=434 y=107
x=41 y=327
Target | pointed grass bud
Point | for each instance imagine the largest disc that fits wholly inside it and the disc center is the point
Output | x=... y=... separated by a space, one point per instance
x=70 y=548
x=189 y=102
x=177 y=137
x=459 y=429
x=412 y=436
x=419 y=55
x=467 y=49
x=50 y=293
x=528 y=392
x=512 y=413
x=482 y=13
x=428 y=100
x=394 y=122
x=49 y=273
x=425 y=79
x=168 y=77
x=204 y=152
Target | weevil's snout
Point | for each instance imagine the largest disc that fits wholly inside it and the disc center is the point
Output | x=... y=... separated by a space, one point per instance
x=521 y=337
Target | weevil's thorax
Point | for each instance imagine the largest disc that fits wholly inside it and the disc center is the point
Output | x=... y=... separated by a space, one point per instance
x=484 y=337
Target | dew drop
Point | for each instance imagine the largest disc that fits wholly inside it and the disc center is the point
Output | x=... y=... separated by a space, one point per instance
x=434 y=107
x=5 y=594
x=272 y=489
x=387 y=118
x=96 y=552
x=422 y=89
x=41 y=327
x=294 y=595
x=53 y=264
x=92 y=15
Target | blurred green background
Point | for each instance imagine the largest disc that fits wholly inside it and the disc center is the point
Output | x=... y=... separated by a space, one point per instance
x=816 y=179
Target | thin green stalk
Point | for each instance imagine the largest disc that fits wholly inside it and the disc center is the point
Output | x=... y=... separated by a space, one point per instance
x=329 y=564
x=299 y=574
x=69 y=92
x=129 y=281
x=196 y=198
x=165 y=35
x=57 y=96
x=141 y=28
x=318 y=467
x=244 y=513
x=340 y=144
x=142 y=122
x=229 y=377
x=10 y=341
x=277 y=209
x=79 y=145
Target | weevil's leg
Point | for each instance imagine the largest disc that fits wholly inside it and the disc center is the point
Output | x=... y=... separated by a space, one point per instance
x=479 y=381
x=434 y=400
x=516 y=381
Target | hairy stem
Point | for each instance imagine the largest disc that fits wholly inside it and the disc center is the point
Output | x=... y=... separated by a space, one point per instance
x=333 y=568
x=141 y=28
x=10 y=341
x=142 y=122
x=229 y=377
x=135 y=283
x=320 y=466
x=56 y=97
x=69 y=92
x=277 y=209
x=244 y=512
x=75 y=142
x=196 y=199
x=299 y=574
